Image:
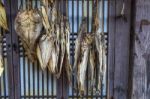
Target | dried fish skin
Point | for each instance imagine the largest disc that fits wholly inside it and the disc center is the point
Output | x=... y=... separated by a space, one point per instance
x=44 y=51
x=3 y=18
x=62 y=47
x=82 y=63
x=53 y=60
x=1 y=66
x=101 y=49
x=92 y=66
x=1 y=57
x=68 y=67
x=83 y=29
x=28 y=25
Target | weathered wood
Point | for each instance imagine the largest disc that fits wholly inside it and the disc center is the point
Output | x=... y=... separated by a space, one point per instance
x=111 y=48
x=122 y=43
x=9 y=51
x=141 y=52
x=15 y=50
x=118 y=55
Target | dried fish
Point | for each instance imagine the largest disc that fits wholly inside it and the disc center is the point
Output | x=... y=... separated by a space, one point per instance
x=82 y=49
x=67 y=38
x=28 y=25
x=83 y=61
x=83 y=29
x=3 y=19
x=1 y=56
x=44 y=50
x=92 y=66
x=48 y=47
x=101 y=49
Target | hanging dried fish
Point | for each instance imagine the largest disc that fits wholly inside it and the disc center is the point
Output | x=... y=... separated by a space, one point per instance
x=100 y=48
x=68 y=67
x=44 y=50
x=62 y=46
x=93 y=58
x=65 y=48
x=82 y=48
x=28 y=25
x=3 y=19
x=48 y=49
x=83 y=62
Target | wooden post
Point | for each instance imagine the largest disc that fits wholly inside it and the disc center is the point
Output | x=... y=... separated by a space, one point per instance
x=9 y=51
x=118 y=49
x=15 y=49
x=141 y=51
x=12 y=50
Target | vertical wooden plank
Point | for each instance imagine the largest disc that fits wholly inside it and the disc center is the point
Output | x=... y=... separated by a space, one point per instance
x=118 y=51
x=9 y=51
x=111 y=48
x=15 y=46
x=122 y=43
x=141 y=52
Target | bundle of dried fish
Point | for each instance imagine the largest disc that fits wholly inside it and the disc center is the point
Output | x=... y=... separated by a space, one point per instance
x=82 y=49
x=83 y=62
x=65 y=47
x=28 y=25
x=68 y=67
x=3 y=19
x=47 y=48
x=99 y=47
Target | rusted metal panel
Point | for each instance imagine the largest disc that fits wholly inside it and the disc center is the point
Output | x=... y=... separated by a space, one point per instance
x=141 y=51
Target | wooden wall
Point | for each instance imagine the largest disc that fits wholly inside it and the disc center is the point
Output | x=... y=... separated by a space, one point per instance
x=118 y=53
x=141 y=51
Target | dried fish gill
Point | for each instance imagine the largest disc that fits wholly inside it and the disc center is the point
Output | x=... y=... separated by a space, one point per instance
x=3 y=19
x=28 y=25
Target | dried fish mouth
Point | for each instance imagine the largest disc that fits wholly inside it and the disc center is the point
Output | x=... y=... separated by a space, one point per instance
x=28 y=25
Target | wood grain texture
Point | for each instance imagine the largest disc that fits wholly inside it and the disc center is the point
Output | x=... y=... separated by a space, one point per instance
x=15 y=49
x=141 y=53
x=122 y=42
x=118 y=55
x=111 y=48
x=9 y=51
